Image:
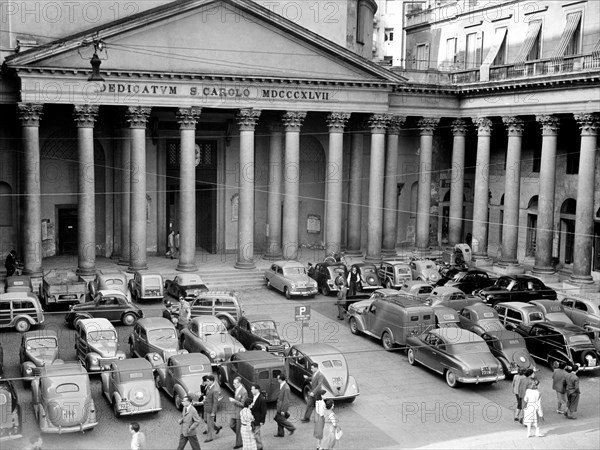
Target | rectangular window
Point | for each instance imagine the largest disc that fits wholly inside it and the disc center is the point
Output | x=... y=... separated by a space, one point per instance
x=535 y=52
x=573 y=47
x=451 y=51
x=389 y=34
x=473 y=50
x=500 y=58
x=422 y=56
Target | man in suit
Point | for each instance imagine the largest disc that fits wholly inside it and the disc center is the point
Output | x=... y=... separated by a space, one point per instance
x=240 y=396
x=189 y=422
x=259 y=411
x=316 y=383
x=211 y=405
x=283 y=405
x=572 y=391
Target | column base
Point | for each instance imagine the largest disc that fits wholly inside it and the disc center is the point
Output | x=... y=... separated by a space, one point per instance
x=244 y=265
x=33 y=272
x=86 y=271
x=115 y=256
x=273 y=255
x=372 y=259
x=581 y=279
x=388 y=253
x=546 y=274
x=353 y=252
x=123 y=262
x=481 y=261
x=189 y=267
x=136 y=267
x=508 y=268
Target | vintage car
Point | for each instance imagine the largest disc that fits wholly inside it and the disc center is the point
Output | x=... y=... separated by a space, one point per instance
x=553 y=311
x=259 y=332
x=253 y=367
x=461 y=356
x=61 y=286
x=480 y=318
x=208 y=335
x=584 y=312
x=154 y=335
x=392 y=274
x=369 y=277
x=424 y=270
x=329 y=276
x=110 y=304
x=470 y=280
x=129 y=387
x=18 y=283
x=109 y=280
x=452 y=297
x=185 y=285
x=290 y=277
x=510 y=349
x=146 y=286
x=516 y=288
x=20 y=310
x=446 y=317
x=38 y=348
x=62 y=399
x=419 y=289
x=558 y=342
x=226 y=305
x=338 y=384
x=181 y=374
x=11 y=420
x=512 y=314
x=96 y=344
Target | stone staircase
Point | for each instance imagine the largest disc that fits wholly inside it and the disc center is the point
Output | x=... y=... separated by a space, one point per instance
x=228 y=278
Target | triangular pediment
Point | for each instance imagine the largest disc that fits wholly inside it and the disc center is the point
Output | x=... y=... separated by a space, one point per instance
x=210 y=37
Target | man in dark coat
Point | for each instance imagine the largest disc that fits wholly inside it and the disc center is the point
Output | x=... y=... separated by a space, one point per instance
x=259 y=411
x=10 y=263
x=559 y=384
x=572 y=391
x=283 y=405
x=316 y=384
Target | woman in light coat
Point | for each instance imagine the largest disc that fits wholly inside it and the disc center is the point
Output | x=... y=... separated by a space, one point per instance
x=320 y=417
x=533 y=410
x=331 y=427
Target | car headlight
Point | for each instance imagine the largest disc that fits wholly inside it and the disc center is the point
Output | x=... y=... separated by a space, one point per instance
x=94 y=360
x=155 y=357
x=213 y=354
x=293 y=285
x=242 y=349
x=28 y=371
x=261 y=347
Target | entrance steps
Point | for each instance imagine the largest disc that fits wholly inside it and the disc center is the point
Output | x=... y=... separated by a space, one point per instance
x=228 y=278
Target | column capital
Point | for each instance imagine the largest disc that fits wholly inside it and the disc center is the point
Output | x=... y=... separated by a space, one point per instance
x=395 y=123
x=459 y=127
x=427 y=125
x=336 y=121
x=188 y=117
x=137 y=116
x=85 y=115
x=550 y=124
x=247 y=118
x=588 y=123
x=484 y=125
x=30 y=114
x=292 y=120
x=514 y=125
x=378 y=123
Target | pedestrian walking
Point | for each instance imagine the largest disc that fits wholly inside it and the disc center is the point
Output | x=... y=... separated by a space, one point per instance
x=185 y=314
x=240 y=396
x=533 y=408
x=259 y=412
x=572 y=389
x=138 y=438
x=559 y=384
x=211 y=407
x=319 y=416
x=10 y=263
x=515 y=388
x=316 y=384
x=171 y=244
x=342 y=302
x=524 y=384
x=189 y=423
x=353 y=280
x=246 y=419
x=176 y=242
x=283 y=405
x=331 y=431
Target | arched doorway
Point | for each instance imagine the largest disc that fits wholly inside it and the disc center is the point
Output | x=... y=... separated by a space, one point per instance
x=532 y=213
x=566 y=239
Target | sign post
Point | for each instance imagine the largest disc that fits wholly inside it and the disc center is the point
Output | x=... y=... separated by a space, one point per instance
x=302 y=316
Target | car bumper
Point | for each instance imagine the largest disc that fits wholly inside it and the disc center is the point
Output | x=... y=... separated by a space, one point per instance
x=588 y=368
x=134 y=410
x=482 y=379
x=304 y=291
x=74 y=429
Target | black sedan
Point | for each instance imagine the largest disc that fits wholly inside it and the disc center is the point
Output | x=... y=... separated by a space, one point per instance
x=329 y=276
x=109 y=304
x=259 y=332
x=185 y=285
x=516 y=288
x=470 y=280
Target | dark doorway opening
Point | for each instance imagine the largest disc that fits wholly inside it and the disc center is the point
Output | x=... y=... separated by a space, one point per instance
x=67 y=230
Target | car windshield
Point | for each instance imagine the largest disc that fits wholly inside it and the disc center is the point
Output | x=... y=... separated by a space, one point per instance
x=102 y=335
x=48 y=342
x=403 y=271
x=337 y=270
x=512 y=343
x=579 y=339
x=294 y=271
x=114 y=282
x=208 y=329
x=536 y=317
x=467 y=347
x=367 y=270
x=191 y=287
x=264 y=328
x=162 y=335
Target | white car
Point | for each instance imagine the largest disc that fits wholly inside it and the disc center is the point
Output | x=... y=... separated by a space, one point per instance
x=290 y=277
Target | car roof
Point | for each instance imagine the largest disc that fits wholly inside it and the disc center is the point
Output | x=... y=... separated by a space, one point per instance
x=63 y=369
x=132 y=364
x=37 y=334
x=203 y=319
x=333 y=264
x=386 y=291
x=263 y=358
x=96 y=324
x=257 y=317
x=561 y=327
x=363 y=264
x=404 y=300
x=186 y=359
x=521 y=277
x=520 y=306
x=155 y=322
x=317 y=351
x=457 y=335
x=396 y=263
x=440 y=290
x=18 y=295
x=503 y=335
x=111 y=293
x=189 y=278
x=480 y=308
x=594 y=301
x=286 y=264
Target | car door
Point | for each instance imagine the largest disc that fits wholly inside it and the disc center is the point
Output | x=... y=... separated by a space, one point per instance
x=370 y=318
x=170 y=376
x=5 y=313
x=425 y=350
x=465 y=319
x=297 y=368
x=580 y=312
x=537 y=342
x=81 y=345
x=278 y=279
x=243 y=332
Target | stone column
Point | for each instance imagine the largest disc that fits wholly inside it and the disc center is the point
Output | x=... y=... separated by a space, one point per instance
x=390 y=187
x=455 y=221
x=137 y=117
x=333 y=172
x=427 y=126
x=547 y=183
x=85 y=116
x=378 y=124
x=512 y=191
x=125 y=148
x=30 y=115
x=482 y=187
x=292 y=121
x=586 y=184
x=355 y=193
x=187 y=118
x=273 y=250
x=247 y=119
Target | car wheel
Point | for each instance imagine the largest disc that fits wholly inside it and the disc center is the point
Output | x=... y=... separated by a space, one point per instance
x=157 y=382
x=128 y=319
x=584 y=361
x=387 y=342
x=22 y=325
x=353 y=326
x=269 y=284
x=177 y=399
x=286 y=291
x=305 y=393
x=325 y=289
x=411 y=356
x=115 y=406
x=388 y=284
x=451 y=379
